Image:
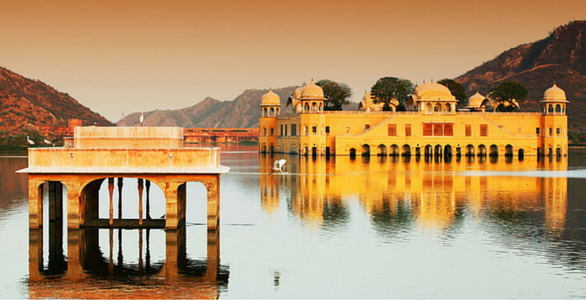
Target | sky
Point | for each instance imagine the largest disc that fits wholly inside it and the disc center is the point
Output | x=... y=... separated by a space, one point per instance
x=122 y=56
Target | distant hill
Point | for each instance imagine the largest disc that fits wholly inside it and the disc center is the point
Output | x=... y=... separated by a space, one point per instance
x=559 y=58
x=26 y=104
x=242 y=112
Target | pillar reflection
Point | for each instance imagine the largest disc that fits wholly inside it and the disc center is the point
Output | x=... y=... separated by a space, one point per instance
x=92 y=272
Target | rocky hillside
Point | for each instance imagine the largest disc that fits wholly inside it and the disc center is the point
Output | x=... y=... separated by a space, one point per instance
x=242 y=112
x=26 y=104
x=559 y=58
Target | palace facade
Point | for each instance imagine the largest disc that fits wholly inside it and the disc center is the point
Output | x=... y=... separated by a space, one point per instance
x=433 y=127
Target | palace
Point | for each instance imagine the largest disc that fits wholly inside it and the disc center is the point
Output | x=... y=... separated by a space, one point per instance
x=433 y=128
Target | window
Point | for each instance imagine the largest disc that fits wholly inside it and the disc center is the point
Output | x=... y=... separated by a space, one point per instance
x=538 y=131
x=327 y=130
x=549 y=131
x=272 y=131
x=483 y=130
x=392 y=129
x=438 y=130
x=427 y=130
x=314 y=129
x=286 y=129
x=558 y=131
x=468 y=130
x=449 y=130
x=304 y=130
x=264 y=131
x=293 y=129
x=281 y=129
x=407 y=129
x=366 y=126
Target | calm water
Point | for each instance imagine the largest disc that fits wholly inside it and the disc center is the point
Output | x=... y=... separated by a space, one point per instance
x=337 y=228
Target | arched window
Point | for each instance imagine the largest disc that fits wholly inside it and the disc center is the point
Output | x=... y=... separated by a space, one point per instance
x=550 y=108
x=558 y=108
x=448 y=107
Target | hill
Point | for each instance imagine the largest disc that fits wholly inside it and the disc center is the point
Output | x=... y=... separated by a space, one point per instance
x=242 y=112
x=559 y=58
x=26 y=104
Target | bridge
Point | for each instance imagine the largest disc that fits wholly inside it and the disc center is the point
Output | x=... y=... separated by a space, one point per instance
x=96 y=154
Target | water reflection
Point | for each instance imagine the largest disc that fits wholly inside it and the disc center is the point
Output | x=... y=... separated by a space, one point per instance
x=89 y=272
x=431 y=194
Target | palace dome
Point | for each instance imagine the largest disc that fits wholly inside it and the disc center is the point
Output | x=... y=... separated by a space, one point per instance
x=432 y=91
x=476 y=100
x=312 y=91
x=554 y=93
x=270 y=98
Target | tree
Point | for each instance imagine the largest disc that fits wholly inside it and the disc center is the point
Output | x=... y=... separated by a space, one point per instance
x=504 y=94
x=456 y=89
x=337 y=94
x=388 y=88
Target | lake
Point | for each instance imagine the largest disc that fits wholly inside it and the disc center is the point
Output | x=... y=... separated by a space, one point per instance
x=379 y=227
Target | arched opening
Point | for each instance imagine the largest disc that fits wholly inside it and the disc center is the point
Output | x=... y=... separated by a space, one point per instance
x=428 y=150
x=550 y=108
x=448 y=151
x=394 y=150
x=558 y=108
x=481 y=150
x=365 y=150
x=271 y=112
x=448 y=107
x=264 y=148
x=352 y=152
x=314 y=106
x=437 y=108
x=428 y=108
x=508 y=150
x=306 y=108
x=521 y=154
x=406 y=151
x=470 y=150
x=438 y=150
x=381 y=150
x=494 y=150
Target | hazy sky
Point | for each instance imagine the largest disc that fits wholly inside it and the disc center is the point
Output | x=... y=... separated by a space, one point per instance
x=120 y=56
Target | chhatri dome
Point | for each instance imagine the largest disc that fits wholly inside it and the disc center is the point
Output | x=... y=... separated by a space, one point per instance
x=368 y=104
x=476 y=100
x=312 y=91
x=554 y=93
x=431 y=91
x=270 y=99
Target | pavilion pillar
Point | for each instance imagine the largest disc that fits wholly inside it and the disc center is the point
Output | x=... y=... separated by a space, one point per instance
x=213 y=187
x=148 y=199
x=140 y=190
x=111 y=193
x=55 y=201
x=172 y=205
x=176 y=252
x=35 y=203
x=73 y=205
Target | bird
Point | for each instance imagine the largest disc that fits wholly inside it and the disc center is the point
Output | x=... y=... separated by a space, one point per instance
x=141 y=119
x=47 y=142
x=279 y=164
x=29 y=140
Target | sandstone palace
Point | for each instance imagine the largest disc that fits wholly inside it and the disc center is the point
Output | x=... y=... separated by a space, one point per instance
x=432 y=127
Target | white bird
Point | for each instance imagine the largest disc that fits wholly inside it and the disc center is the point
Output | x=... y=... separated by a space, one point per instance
x=141 y=119
x=29 y=140
x=47 y=142
x=279 y=164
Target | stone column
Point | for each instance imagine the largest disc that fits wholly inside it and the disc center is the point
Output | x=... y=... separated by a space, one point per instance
x=111 y=192
x=35 y=203
x=73 y=205
x=171 y=206
x=120 y=197
x=148 y=199
x=213 y=187
x=140 y=189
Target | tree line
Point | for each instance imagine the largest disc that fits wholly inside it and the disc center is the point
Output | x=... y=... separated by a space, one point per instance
x=387 y=89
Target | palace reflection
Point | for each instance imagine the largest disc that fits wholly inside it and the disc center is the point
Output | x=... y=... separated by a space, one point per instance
x=85 y=272
x=402 y=193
